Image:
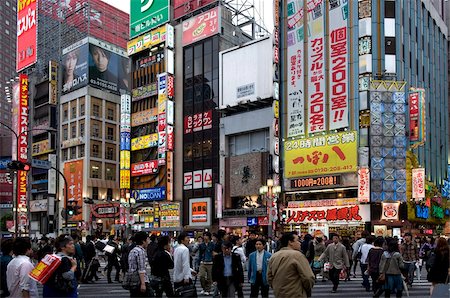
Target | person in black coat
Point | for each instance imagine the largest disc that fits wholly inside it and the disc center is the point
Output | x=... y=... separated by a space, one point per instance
x=89 y=254
x=161 y=262
x=250 y=245
x=440 y=265
x=227 y=271
x=113 y=261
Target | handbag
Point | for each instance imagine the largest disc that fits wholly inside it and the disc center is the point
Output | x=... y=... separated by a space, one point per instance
x=326 y=267
x=131 y=281
x=382 y=277
x=186 y=291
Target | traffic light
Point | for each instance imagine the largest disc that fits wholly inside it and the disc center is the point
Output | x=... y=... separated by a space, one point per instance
x=70 y=210
x=17 y=165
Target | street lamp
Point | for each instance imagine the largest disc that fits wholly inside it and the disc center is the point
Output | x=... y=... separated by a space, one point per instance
x=271 y=192
x=18 y=208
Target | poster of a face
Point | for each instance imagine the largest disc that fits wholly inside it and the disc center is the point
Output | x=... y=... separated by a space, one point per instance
x=75 y=69
x=108 y=70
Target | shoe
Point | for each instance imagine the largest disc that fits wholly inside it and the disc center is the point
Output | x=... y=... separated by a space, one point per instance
x=207 y=294
x=333 y=291
x=202 y=292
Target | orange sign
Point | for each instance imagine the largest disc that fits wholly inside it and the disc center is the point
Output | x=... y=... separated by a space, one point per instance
x=73 y=171
x=199 y=211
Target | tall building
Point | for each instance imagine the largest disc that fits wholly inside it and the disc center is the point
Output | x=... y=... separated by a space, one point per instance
x=350 y=162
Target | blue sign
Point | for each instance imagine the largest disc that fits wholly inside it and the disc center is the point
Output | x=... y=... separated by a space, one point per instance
x=421 y=212
x=252 y=221
x=125 y=141
x=149 y=194
x=4 y=163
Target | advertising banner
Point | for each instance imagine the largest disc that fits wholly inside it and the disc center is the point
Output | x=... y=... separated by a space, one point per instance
x=125 y=160
x=170 y=138
x=295 y=70
x=27 y=20
x=327 y=154
x=184 y=7
x=125 y=179
x=198 y=179
x=169 y=176
x=414 y=116
x=149 y=194
x=6 y=187
x=144 y=117
x=200 y=212
x=144 y=92
x=316 y=69
x=146 y=15
x=22 y=147
x=125 y=141
x=342 y=211
x=39 y=205
x=198 y=122
x=390 y=211
x=41 y=147
x=169 y=214
x=338 y=60
x=144 y=168
x=363 y=185
x=75 y=66
x=73 y=171
x=418 y=183
x=144 y=142
x=201 y=26
x=53 y=83
x=147 y=40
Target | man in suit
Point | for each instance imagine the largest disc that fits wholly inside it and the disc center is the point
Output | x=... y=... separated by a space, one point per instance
x=257 y=270
x=227 y=272
x=113 y=261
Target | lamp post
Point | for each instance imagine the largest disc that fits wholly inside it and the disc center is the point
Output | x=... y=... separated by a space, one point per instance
x=16 y=207
x=271 y=192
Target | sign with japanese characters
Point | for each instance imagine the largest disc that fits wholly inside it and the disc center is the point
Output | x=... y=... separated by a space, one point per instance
x=146 y=15
x=316 y=69
x=27 y=20
x=149 y=194
x=200 y=212
x=147 y=40
x=418 y=183
x=201 y=26
x=337 y=210
x=327 y=154
x=144 y=168
x=73 y=171
x=144 y=117
x=125 y=179
x=390 y=211
x=316 y=182
x=338 y=64
x=144 y=142
x=184 y=7
x=417 y=116
x=198 y=122
x=169 y=215
x=295 y=123
x=363 y=185
x=198 y=179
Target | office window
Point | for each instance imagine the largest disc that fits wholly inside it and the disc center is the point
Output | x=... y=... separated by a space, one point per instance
x=96 y=130
x=110 y=133
x=74 y=112
x=96 y=110
x=65 y=114
x=64 y=154
x=389 y=9
x=110 y=153
x=82 y=109
x=82 y=129
x=109 y=194
x=65 y=133
x=81 y=151
x=257 y=141
x=96 y=170
x=95 y=150
x=95 y=193
x=73 y=130
x=110 y=172
x=73 y=152
x=110 y=114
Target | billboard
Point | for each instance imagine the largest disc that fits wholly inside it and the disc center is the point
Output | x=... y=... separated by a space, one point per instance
x=149 y=194
x=338 y=64
x=6 y=187
x=73 y=171
x=316 y=70
x=295 y=77
x=327 y=154
x=418 y=183
x=200 y=212
x=201 y=26
x=184 y=7
x=417 y=116
x=27 y=20
x=144 y=142
x=248 y=73
x=90 y=61
x=363 y=185
x=148 y=40
x=53 y=83
x=146 y=15
x=144 y=117
x=144 y=168
x=170 y=214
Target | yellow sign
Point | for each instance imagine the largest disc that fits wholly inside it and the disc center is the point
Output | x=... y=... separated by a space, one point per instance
x=125 y=160
x=144 y=117
x=162 y=98
x=276 y=109
x=326 y=154
x=144 y=142
x=147 y=40
x=41 y=147
x=125 y=178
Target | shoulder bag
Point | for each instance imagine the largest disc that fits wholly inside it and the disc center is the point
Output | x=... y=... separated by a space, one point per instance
x=382 y=277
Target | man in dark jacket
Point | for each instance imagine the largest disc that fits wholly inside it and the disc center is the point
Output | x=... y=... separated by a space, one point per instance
x=151 y=248
x=89 y=254
x=112 y=259
x=250 y=244
x=161 y=263
x=227 y=272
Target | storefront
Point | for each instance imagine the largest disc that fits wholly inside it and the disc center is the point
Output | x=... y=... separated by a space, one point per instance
x=343 y=216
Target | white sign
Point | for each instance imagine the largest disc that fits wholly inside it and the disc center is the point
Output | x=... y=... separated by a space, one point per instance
x=336 y=214
x=363 y=185
x=418 y=183
x=38 y=205
x=390 y=211
x=219 y=199
x=198 y=179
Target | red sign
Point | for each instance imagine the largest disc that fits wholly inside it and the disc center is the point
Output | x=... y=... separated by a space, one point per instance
x=414 y=117
x=263 y=221
x=198 y=122
x=6 y=188
x=188 y=124
x=207 y=119
x=201 y=26
x=170 y=88
x=347 y=213
x=170 y=138
x=22 y=147
x=144 y=168
x=183 y=7
x=26 y=34
x=162 y=122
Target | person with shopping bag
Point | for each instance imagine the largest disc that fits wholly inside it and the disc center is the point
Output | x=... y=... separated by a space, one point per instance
x=336 y=255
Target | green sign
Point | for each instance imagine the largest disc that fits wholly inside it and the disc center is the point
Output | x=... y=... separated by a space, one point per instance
x=147 y=14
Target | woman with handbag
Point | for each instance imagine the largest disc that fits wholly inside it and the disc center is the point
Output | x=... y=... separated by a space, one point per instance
x=439 y=271
x=390 y=275
x=136 y=279
x=63 y=282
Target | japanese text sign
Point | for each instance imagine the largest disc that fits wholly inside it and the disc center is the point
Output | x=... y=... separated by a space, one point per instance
x=125 y=179
x=414 y=116
x=147 y=40
x=183 y=7
x=144 y=142
x=390 y=211
x=418 y=183
x=144 y=168
x=198 y=179
x=146 y=15
x=26 y=34
x=201 y=26
x=73 y=171
x=327 y=154
x=363 y=185
x=200 y=212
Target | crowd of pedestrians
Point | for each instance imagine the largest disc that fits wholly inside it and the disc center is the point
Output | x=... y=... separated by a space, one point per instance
x=148 y=265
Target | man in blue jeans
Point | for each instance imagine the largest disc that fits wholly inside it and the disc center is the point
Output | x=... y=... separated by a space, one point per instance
x=410 y=254
x=365 y=248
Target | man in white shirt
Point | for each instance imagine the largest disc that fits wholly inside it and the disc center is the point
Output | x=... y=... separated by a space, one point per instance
x=182 y=272
x=17 y=279
x=364 y=263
